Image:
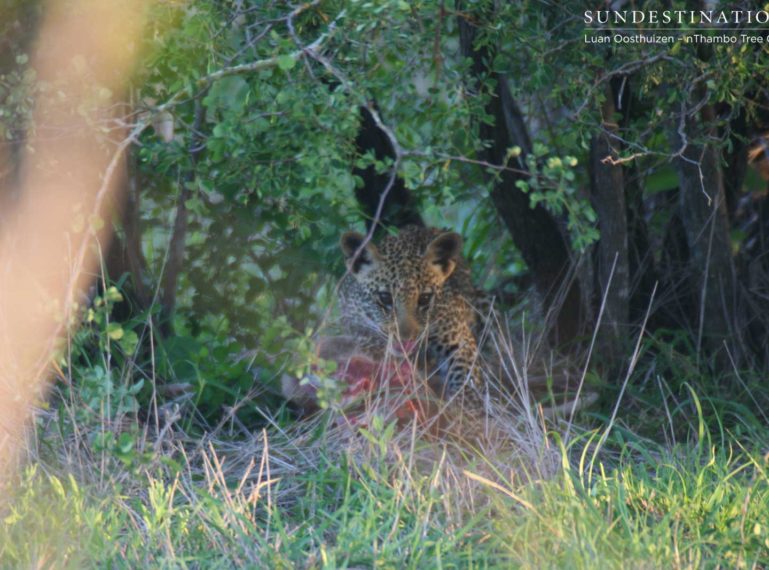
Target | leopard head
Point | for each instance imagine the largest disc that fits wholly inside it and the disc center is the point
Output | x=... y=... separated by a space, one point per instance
x=403 y=276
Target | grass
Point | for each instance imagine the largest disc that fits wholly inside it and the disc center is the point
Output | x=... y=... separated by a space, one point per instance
x=298 y=503
x=656 y=508
x=681 y=480
x=681 y=511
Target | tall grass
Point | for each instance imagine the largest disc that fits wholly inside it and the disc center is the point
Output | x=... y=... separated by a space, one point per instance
x=680 y=481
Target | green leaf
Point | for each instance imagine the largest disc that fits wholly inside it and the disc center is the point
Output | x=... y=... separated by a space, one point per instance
x=125 y=443
x=113 y=295
x=129 y=341
x=115 y=331
x=286 y=62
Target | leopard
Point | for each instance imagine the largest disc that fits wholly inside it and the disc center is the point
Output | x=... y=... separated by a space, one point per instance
x=414 y=288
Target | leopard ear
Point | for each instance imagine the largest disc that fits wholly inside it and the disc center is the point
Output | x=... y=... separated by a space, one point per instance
x=443 y=252
x=366 y=260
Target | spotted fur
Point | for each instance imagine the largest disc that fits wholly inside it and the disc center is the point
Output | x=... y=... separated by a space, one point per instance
x=415 y=286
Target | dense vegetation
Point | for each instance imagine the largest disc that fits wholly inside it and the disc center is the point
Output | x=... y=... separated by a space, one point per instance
x=613 y=198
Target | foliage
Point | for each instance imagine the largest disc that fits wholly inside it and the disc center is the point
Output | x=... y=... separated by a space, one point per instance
x=260 y=162
x=557 y=193
x=113 y=366
x=272 y=186
x=270 y=193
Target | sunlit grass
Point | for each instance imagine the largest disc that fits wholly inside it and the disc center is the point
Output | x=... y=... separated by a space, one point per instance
x=679 y=510
x=652 y=506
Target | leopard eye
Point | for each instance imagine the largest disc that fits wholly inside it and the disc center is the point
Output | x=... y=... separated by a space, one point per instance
x=385 y=299
x=425 y=299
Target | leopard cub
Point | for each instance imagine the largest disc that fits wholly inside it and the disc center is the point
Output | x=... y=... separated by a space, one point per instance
x=414 y=288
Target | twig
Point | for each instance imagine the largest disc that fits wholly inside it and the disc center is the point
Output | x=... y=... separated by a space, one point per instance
x=630 y=369
x=592 y=345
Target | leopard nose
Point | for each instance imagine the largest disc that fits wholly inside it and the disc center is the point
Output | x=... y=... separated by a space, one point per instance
x=408 y=328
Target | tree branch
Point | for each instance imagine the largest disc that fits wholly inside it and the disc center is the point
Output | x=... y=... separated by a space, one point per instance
x=533 y=230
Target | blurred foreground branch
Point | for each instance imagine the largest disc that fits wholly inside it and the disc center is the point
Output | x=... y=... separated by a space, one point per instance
x=50 y=246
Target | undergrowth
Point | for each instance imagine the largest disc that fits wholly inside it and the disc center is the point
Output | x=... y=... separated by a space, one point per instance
x=122 y=475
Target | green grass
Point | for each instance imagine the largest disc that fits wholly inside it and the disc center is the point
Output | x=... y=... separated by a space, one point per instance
x=681 y=510
x=421 y=504
x=679 y=480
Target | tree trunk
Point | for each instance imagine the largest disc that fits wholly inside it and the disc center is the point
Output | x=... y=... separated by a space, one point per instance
x=177 y=246
x=703 y=211
x=644 y=273
x=125 y=253
x=736 y=167
x=754 y=277
x=399 y=208
x=534 y=231
x=607 y=187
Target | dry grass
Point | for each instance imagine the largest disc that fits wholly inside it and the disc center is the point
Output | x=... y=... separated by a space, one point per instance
x=336 y=491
